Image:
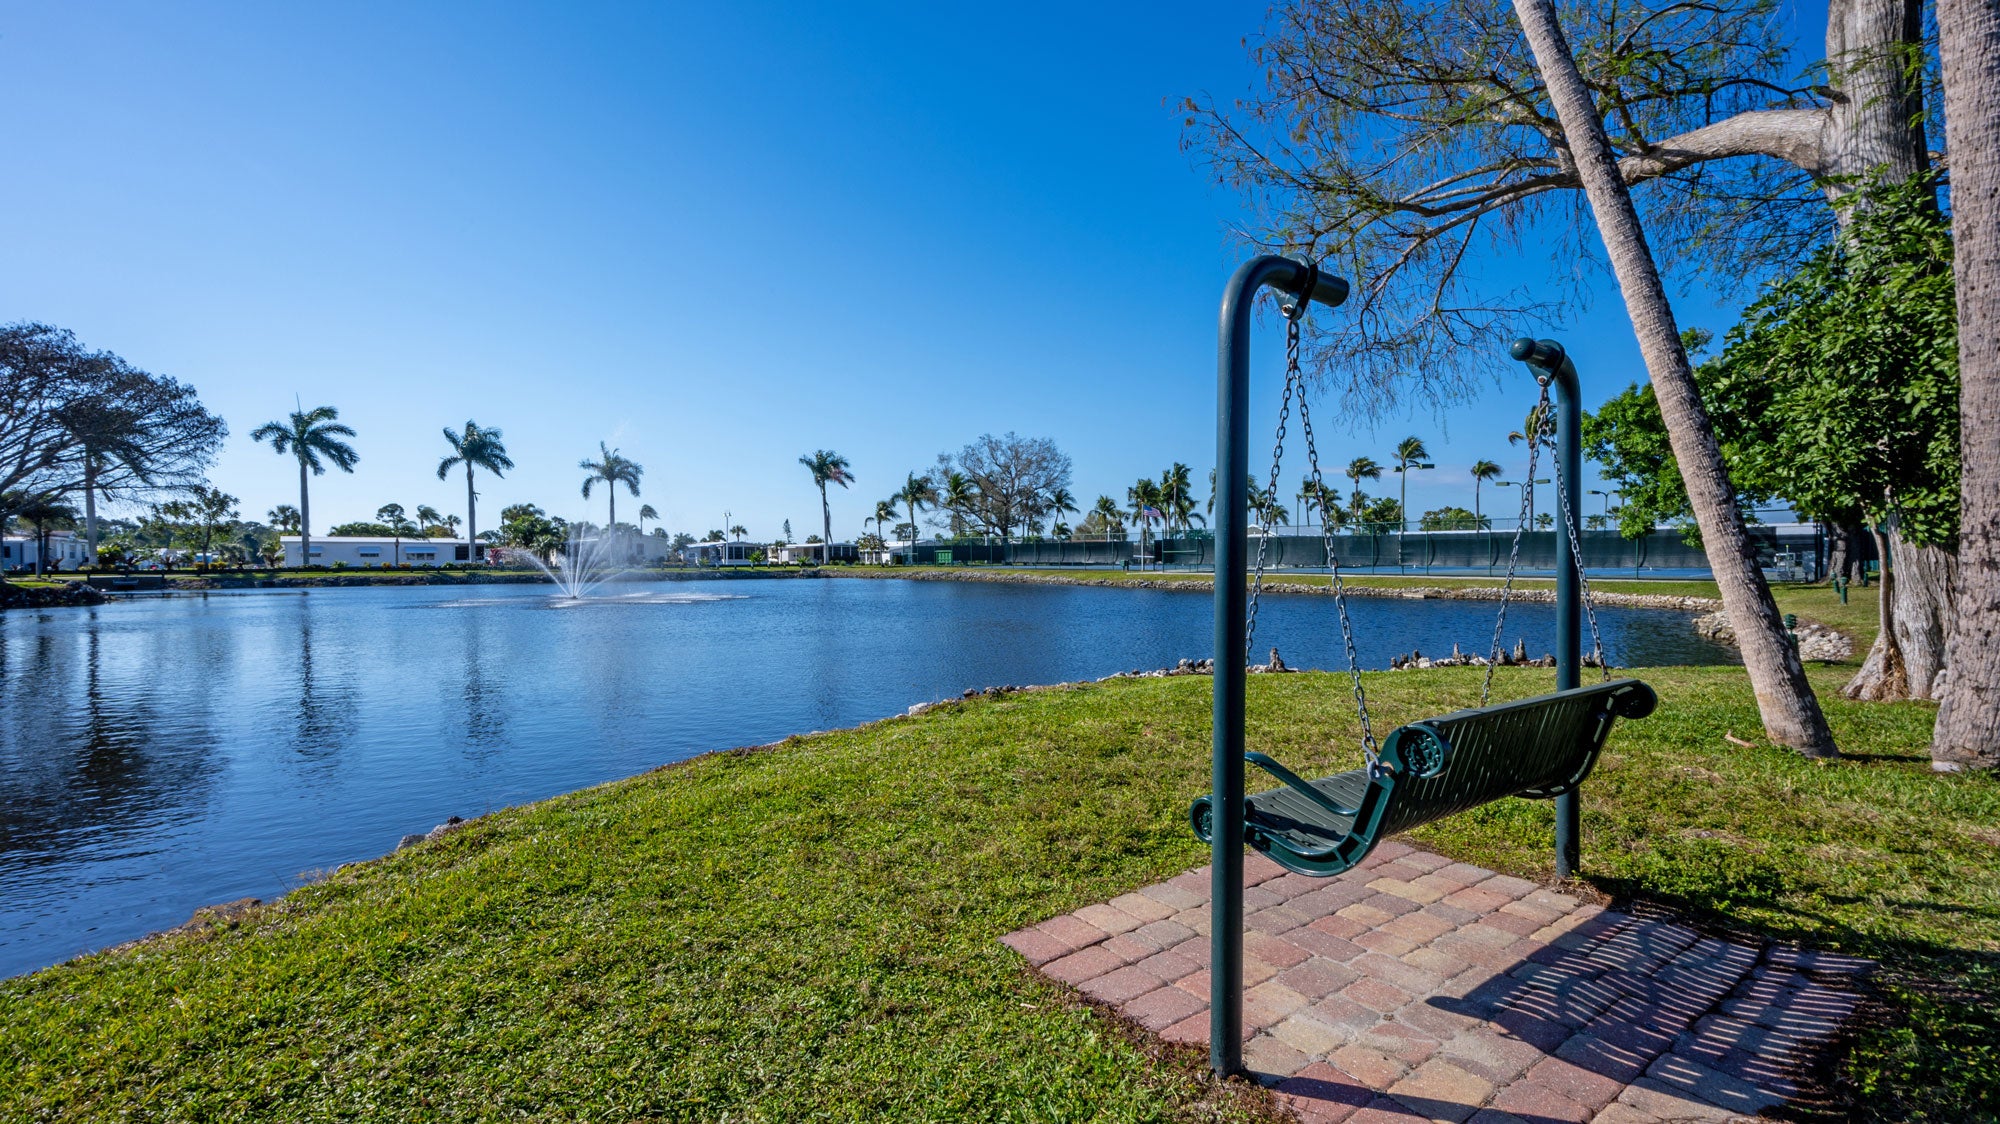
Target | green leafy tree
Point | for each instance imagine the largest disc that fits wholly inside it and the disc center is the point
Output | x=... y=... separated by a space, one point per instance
x=46 y=513
x=314 y=437
x=1453 y=519
x=826 y=467
x=1382 y=513
x=611 y=469
x=203 y=516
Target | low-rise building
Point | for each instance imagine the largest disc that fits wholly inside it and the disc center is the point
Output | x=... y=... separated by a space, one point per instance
x=67 y=551
x=369 y=551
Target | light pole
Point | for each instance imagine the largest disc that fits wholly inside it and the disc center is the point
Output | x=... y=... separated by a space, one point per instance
x=1607 y=499
x=1531 y=497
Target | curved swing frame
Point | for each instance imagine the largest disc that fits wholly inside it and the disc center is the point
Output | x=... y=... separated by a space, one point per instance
x=1413 y=754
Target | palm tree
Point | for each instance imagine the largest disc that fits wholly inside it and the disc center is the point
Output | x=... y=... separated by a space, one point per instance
x=613 y=470
x=1266 y=507
x=885 y=512
x=646 y=512
x=1108 y=515
x=46 y=512
x=919 y=492
x=450 y=523
x=391 y=515
x=827 y=467
x=1144 y=501
x=1482 y=471
x=1177 y=494
x=1059 y=503
x=738 y=531
x=476 y=448
x=309 y=435
x=1539 y=423
x=427 y=516
x=1359 y=469
x=959 y=496
x=285 y=517
x=1410 y=455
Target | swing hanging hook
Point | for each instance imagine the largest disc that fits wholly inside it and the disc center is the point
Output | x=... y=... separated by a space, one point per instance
x=1294 y=306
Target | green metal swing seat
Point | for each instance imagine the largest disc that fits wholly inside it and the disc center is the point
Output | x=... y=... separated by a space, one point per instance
x=1540 y=747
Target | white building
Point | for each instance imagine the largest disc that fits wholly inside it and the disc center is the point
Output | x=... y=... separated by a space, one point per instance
x=811 y=553
x=723 y=553
x=370 y=551
x=67 y=551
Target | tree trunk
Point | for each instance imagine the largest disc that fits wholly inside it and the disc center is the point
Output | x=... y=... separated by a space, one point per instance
x=90 y=509
x=825 y=528
x=305 y=519
x=471 y=517
x=1843 y=552
x=1925 y=578
x=1790 y=712
x=1967 y=735
x=1884 y=674
x=1875 y=127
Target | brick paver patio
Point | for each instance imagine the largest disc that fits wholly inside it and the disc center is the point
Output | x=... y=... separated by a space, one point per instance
x=1416 y=988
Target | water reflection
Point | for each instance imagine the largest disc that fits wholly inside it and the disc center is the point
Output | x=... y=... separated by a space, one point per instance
x=161 y=754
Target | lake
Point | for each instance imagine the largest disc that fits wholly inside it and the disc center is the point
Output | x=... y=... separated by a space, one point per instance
x=163 y=753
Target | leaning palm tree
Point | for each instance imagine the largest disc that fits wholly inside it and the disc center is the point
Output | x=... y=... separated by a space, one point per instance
x=1359 y=469
x=427 y=516
x=827 y=467
x=917 y=492
x=613 y=470
x=646 y=512
x=309 y=435
x=1059 y=503
x=476 y=448
x=1538 y=423
x=1482 y=471
x=885 y=512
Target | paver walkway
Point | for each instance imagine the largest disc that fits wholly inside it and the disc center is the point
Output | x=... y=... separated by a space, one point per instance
x=1413 y=987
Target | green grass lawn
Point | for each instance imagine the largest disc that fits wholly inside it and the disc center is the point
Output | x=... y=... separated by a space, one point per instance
x=810 y=931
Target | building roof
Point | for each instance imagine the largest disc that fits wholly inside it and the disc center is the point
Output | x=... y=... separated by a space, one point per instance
x=382 y=540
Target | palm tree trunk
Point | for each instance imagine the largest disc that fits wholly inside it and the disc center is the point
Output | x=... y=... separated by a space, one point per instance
x=471 y=517
x=1967 y=735
x=1790 y=712
x=612 y=491
x=305 y=519
x=912 y=553
x=826 y=528
x=90 y=508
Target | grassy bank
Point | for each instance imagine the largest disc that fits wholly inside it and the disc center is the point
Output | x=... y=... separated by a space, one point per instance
x=810 y=931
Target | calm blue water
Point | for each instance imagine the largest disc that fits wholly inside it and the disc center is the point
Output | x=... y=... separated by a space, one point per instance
x=161 y=754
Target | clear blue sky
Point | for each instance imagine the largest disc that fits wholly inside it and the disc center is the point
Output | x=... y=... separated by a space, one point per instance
x=716 y=236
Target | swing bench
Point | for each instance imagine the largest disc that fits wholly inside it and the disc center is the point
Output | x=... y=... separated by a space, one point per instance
x=1541 y=747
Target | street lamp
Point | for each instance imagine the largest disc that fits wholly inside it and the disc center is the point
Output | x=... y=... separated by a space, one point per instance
x=1607 y=498
x=1531 y=496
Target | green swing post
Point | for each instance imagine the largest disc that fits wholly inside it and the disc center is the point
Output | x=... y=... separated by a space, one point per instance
x=1295 y=278
x=1548 y=360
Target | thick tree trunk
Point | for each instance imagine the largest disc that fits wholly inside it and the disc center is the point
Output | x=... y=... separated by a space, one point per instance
x=1925 y=578
x=1875 y=126
x=1790 y=712
x=1967 y=735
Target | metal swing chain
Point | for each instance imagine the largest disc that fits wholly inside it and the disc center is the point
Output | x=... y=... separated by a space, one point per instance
x=1295 y=383
x=1541 y=416
x=1277 y=457
x=1576 y=559
x=1339 y=589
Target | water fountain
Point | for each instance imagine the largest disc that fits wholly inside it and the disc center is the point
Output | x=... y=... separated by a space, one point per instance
x=589 y=557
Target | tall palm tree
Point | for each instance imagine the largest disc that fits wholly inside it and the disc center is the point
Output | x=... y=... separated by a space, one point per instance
x=885 y=512
x=613 y=470
x=1482 y=471
x=1410 y=452
x=1359 y=469
x=1108 y=515
x=309 y=435
x=476 y=448
x=827 y=467
x=1539 y=423
x=1177 y=494
x=919 y=492
x=1059 y=503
